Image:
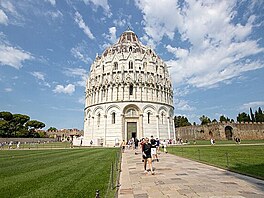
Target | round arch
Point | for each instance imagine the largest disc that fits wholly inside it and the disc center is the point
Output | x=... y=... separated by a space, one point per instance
x=229 y=132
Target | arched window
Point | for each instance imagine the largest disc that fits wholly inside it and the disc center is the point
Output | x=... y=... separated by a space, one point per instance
x=148 y=117
x=131 y=90
x=98 y=119
x=131 y=113
x=144 y=65
x=162 y=118
x=130 y=65
x=130 y=48
x=113 y=118
x=89 y=119
x=103 y=68
x=115 y=66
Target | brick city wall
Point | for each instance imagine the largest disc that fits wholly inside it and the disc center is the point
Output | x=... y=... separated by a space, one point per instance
x=222 y=131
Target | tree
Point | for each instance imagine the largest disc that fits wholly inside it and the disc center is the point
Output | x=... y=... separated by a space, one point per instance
x=34 y=125
x=214 y=120
x=181 y=121
x=18 y=123
x=259 y=116
x=4 y=126
x=52 y=129
x=204 y=120
x=243 y=117
x=7 y=116
x=252 y=115
x=224 y=119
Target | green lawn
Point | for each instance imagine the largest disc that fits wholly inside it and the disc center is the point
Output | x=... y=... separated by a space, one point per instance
x=246 y=159
x=57 y=173
x=207 y=142
x=50 y=145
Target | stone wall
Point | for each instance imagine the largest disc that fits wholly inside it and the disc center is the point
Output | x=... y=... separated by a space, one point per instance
x=222 y=131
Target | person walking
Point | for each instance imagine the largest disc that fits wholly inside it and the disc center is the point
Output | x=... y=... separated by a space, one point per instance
x=123 y=146
x=154 y=149
x=147 y=156
x=142 y=142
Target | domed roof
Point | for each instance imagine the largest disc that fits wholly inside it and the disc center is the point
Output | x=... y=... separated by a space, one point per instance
x=127 y=37
x=128 y=41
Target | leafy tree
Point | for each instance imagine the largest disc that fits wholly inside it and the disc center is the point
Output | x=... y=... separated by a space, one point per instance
x=34 y=125
x=204 y=120
x=224 y=119
x=252 y=115
x=259 y=115
x=214 y=120
x=7 y=116
x=181 y=121
x=52 y=129
x=243 y=117
x=4 y=126
x=18 y=123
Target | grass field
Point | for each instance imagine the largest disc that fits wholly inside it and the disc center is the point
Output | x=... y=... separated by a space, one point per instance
x=207 y=142
x=246 y=159
x=50 y=145
x=57 y=173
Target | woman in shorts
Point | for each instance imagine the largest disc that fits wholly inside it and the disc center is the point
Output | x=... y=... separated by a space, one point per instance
x=147 y=156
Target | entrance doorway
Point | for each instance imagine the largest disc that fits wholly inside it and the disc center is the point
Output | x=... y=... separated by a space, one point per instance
x=229 y=132
x=131 y=130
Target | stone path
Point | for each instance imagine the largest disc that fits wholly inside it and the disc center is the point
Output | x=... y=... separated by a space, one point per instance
x=179 y=177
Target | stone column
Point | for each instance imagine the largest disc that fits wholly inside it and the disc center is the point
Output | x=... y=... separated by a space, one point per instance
x=168 y=120
x=92 y=132
x=141 y=134
x=123 y=90
x=123 y=127
x=141 y=92
x=157 y=116
x=105 y=127
x=173 y=128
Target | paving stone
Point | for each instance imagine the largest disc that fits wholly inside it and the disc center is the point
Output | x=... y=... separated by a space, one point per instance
x=179 y=177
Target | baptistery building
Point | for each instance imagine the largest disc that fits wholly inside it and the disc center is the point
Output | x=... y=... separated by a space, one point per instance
x=128 y=94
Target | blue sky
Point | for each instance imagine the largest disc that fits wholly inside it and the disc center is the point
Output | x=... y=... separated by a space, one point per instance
x=215 y=51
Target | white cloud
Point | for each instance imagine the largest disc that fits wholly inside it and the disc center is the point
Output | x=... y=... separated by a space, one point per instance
x=80 y=52
x=8 y=89
x=41 y=77
x=81 y=100
x=112 y=35
x=178 y=52
x=100 y=3
x=12 y=56
x=14 y=17
x=8 y=6
x=160 y=17
x=122 y=20
x=38 y=75
x=218 y=49
x=79 y=73
x=79 y=20
x=68 y=89
x=253 y=105
x=182 y=105
x=55 y=14
x=52 y=2
x=3 y=18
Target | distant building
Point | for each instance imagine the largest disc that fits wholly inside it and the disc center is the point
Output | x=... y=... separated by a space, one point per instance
x=128 y=94
x=64 y=134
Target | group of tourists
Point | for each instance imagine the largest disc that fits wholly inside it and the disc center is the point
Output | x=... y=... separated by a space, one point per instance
x=149 y=149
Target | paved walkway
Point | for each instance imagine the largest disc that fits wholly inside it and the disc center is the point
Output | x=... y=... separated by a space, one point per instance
x=179 y=177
